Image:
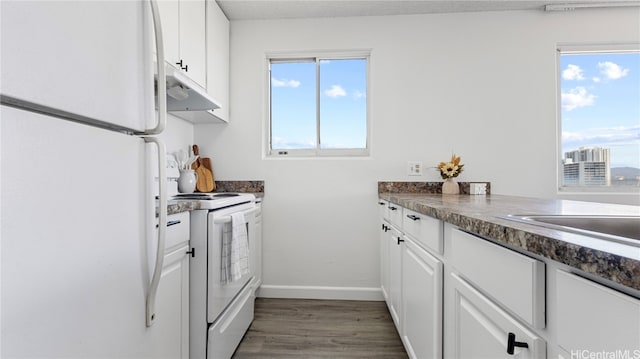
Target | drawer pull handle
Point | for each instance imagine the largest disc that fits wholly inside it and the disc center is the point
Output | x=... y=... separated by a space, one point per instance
x=393 y=208
x=381 y=203
x=400 y=240
x=173 y=223
x=512 y=343
x=414 y=217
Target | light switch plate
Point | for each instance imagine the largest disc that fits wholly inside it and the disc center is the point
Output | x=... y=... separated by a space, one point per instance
x=414 y=168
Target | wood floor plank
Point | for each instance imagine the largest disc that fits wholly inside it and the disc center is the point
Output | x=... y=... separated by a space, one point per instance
x=304 y=328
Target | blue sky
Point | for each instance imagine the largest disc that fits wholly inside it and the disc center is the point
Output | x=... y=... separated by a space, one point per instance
x=601 y=104
x=342 y=104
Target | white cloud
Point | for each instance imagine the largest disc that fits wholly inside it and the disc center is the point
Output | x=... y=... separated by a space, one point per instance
x=577 y=97
x=284 y=83
x=572 y=72
x=604 y=136
x=596 y=79
x=612 y=71
x=358 y=94
x=335 y=91
x=288 y=144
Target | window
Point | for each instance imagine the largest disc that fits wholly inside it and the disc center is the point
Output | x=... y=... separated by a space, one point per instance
x=599 y=119
x=318 y=106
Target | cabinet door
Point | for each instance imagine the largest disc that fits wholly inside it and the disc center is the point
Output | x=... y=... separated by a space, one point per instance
x=421 y=302
x=170 y=20
x=172 y=307
x=480 y=329
x=595 y=319
x=218 y=58
x=394 y=238
x=384 y=261
x=192 y=39
x=256 y=248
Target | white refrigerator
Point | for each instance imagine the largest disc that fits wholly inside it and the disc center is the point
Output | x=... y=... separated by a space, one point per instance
x=79 y=245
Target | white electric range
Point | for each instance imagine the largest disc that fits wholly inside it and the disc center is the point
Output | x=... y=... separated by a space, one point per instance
x=220 y=313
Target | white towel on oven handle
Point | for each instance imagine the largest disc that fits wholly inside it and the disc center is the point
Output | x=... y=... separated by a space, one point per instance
x=239 y=255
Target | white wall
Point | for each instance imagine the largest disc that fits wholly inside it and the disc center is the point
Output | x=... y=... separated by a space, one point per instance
x=178 y=134
x=480 y=84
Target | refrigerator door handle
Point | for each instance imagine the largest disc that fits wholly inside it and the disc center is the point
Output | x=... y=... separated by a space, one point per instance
x=161 y=82
x=162 y=231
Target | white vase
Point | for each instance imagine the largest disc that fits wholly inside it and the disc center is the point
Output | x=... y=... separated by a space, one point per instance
x=187 y=181
x=450 y=186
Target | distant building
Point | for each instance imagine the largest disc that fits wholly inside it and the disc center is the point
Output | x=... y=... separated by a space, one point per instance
x=587 y=166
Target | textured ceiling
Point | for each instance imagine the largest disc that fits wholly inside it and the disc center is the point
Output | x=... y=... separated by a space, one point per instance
x=283 y=9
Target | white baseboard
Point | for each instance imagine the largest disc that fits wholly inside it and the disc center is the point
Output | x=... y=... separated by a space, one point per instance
x=314 y=292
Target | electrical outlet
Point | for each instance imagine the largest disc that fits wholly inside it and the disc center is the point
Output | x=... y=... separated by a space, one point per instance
x=414 y=168
x=478 y=188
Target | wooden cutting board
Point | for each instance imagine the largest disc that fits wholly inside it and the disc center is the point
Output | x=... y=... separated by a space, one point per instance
x=206 y=162
x=204 y=182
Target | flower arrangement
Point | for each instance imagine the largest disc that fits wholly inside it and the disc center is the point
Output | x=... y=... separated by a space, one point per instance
x=450 y=169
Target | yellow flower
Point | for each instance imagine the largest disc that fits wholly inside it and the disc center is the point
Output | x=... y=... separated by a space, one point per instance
x=450 y=169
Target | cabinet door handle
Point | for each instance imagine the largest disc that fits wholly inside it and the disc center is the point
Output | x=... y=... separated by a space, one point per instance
x=512 y=343
x=381 y=203
x=192 y=252
x=400 y=240
x=411 y=216
x=185 y=67
x=393 y=208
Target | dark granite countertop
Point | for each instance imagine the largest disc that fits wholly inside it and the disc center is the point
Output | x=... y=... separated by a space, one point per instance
x=613 y=261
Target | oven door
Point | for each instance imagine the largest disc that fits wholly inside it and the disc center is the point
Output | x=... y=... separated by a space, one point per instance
x=220 y=295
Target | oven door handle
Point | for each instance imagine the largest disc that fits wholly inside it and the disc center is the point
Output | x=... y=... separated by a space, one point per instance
x=227 y=219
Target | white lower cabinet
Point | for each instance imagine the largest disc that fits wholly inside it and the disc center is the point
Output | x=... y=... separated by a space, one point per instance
x=394 y=238
x=256 y=247
x=453 y=294
x=172 y=298
x=481 y=329
x=384 y=261
x=421 y=302
x=595 y=320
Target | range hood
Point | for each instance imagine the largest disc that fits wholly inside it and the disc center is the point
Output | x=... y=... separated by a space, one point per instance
x=188 y=100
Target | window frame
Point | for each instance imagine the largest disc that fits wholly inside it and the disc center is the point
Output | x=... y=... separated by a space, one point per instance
x=316 y=57
x=594 y=48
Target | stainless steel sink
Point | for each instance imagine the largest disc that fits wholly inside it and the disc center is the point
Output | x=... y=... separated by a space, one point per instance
x=624 y=229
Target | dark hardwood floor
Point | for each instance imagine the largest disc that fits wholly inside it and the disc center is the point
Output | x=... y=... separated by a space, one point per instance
x=302 y=328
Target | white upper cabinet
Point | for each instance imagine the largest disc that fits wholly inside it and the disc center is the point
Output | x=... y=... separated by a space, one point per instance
x=218 y=59
x=183 y=27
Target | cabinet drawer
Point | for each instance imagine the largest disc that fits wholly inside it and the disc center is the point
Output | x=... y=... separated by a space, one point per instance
x=225 y=335
x=427 y=231
x=513 y=279
x=395 y=214
x=177 y=229
x=383 y=209
x=594 y=318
